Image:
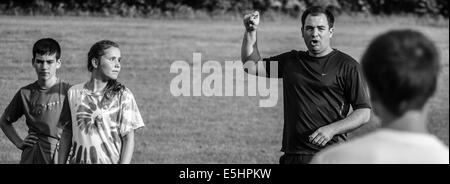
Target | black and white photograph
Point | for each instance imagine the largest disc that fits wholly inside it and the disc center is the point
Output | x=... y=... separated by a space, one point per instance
x=206 y=82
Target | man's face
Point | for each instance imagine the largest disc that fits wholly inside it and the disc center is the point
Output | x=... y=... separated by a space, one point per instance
x=316 y=34
x=110 y=63
x=45 y=66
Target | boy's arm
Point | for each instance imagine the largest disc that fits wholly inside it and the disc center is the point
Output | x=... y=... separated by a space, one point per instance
x=127 y=148
x=65 y=143
x=12 y=135
x=65 y=122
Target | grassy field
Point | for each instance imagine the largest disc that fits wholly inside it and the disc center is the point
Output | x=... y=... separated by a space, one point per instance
x=190 y=129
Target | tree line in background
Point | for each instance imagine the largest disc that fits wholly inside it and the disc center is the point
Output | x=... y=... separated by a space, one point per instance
x=192 y=8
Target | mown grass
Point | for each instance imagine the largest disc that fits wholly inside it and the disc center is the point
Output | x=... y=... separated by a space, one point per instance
x=190 y=129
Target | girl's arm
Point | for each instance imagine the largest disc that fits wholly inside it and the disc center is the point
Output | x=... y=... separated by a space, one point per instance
x=127 y=148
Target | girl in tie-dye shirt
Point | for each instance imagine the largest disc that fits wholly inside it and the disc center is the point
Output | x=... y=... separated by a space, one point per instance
x=104 y=113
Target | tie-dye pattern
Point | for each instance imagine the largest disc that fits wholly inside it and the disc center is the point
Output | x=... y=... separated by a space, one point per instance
x=98 y=124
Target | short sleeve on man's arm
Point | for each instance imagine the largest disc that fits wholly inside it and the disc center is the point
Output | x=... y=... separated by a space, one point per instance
x=15 y=109
x=356 y=89
x=279 y=61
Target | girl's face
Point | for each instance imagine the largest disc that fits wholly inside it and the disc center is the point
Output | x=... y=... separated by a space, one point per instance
x=109 y=64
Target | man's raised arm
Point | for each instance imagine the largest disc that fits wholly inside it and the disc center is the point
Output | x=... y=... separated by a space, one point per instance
x=249 y=50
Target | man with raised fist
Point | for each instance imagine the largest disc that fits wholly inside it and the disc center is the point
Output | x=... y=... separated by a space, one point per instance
x=320 y=86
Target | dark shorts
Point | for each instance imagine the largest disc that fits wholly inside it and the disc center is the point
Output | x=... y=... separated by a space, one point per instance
x=295 y=159
x=45 y=151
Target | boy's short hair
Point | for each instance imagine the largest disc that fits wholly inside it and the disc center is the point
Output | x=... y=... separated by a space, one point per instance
x=47 y=46
x=401 y=68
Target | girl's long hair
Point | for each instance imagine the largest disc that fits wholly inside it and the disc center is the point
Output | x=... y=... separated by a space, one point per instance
x=113 y=87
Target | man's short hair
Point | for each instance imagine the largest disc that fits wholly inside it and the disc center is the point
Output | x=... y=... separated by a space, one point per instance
x=47 y=46
x=401 y=68
x=316 y=10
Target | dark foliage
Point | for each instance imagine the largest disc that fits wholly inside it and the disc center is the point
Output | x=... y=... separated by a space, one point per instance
x=139 y=8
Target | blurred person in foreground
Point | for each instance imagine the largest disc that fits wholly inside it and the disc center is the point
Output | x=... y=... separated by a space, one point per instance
x=320 y=86
x=41 y=103
x=401 y=68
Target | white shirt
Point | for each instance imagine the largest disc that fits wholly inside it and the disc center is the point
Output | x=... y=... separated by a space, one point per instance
x=99 y=124
x=386 y=146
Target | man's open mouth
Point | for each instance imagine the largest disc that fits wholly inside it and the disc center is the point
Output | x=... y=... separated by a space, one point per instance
x=314 y=42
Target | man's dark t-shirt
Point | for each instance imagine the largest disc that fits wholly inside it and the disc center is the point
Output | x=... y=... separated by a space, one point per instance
x=317 y=91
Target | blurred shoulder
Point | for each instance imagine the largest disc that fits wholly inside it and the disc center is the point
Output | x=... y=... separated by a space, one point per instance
x=30 y=86
x=73 y=89
x=286 y=54
x=127 y=93
x=64 y=84
x=76 y=86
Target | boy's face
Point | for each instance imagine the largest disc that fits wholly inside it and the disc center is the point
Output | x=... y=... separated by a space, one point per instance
x=45 y=66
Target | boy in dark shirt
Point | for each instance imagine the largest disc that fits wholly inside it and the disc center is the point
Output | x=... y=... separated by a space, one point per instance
x=41 y=103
